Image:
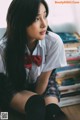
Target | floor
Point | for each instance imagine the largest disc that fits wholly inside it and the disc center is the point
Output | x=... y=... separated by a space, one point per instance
x=72 y=112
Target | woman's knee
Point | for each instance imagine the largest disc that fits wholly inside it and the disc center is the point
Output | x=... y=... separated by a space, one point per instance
x=51 y=99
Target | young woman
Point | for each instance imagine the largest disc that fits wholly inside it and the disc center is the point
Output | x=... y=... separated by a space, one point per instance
x=29 y=55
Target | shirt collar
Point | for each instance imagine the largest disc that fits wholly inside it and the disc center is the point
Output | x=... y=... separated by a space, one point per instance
x=40 y=43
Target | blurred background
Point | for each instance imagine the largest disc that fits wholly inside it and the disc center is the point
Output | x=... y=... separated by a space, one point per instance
x=62 y=17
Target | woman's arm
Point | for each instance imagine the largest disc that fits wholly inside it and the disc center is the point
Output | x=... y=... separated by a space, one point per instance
x=43 y=82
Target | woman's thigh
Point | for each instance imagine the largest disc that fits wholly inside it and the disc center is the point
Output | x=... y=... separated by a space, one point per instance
x=19 y=100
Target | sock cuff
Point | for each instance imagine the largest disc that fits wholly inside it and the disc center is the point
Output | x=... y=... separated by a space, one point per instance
x=35 y=108
x=34 y=100
x=53 y=107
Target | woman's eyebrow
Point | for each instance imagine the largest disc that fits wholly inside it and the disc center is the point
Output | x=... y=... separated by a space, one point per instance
x=40 y=14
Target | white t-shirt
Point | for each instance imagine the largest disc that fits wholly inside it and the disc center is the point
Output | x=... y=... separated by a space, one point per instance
x=51 y=49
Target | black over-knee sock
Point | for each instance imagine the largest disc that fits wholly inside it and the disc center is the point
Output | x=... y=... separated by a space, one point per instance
x=35 y=108
x=53 y=112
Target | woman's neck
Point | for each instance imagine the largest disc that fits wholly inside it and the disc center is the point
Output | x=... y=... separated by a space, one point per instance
x=31 y=45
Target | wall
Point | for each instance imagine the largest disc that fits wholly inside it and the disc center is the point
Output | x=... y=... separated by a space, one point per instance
x=64 y=17
x=77 y=16
x=3 y=11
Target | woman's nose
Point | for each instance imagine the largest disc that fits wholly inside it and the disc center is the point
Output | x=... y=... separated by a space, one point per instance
x=43 y=23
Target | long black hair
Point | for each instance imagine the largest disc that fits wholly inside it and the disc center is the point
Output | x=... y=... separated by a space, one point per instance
x=21 y=14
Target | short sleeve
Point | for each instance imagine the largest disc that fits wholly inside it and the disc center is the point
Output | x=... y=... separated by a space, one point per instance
x=55 y=54
x=2 y=68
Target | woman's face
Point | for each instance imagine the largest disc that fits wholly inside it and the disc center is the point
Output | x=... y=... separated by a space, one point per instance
x=37 y=30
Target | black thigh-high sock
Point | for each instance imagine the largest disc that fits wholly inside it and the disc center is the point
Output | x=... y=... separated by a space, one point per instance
x=35 y=108
x=53 y=112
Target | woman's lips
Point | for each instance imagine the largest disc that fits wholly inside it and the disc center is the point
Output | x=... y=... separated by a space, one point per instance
x=43 y=32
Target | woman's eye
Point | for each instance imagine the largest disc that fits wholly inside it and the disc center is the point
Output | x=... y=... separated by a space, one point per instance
x=36 y=19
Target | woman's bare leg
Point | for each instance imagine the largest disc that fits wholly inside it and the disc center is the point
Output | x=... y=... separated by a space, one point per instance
x=30 y=103
x=19 y=100
x=51 y=99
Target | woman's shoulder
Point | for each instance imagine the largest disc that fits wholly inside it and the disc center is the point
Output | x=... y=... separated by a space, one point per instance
x=53 y=37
